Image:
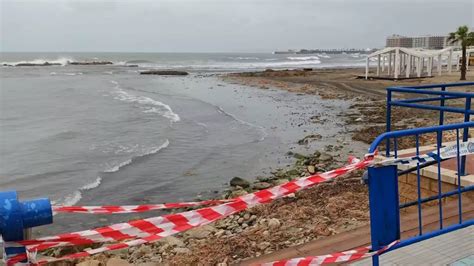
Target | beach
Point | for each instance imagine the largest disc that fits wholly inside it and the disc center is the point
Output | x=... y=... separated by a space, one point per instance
x=266 y=126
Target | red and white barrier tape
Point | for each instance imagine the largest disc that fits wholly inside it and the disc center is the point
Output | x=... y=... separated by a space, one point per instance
x=109 y=209
x=152 y=229
x=345 y=256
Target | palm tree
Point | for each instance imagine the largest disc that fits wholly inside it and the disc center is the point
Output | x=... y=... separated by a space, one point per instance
x=464 y=38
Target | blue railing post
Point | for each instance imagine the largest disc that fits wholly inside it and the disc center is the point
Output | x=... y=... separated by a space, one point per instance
x=467 y=117
x=441 y=112
x=384 y=210
x=16 y=216
x=388 y=120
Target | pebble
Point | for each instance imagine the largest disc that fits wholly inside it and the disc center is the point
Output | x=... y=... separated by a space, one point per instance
x=273 y=223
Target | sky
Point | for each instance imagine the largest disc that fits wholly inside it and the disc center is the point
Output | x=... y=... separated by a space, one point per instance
x=220 y=25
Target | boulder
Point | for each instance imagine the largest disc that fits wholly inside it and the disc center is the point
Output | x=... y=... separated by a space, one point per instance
x=238 y=181
x=164 y=72
x=311 y=169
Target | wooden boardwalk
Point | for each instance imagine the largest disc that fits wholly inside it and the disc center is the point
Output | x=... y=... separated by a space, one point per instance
x=361 y=236
x=455 y=248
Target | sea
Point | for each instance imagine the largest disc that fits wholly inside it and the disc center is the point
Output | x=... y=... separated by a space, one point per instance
x=106 y=135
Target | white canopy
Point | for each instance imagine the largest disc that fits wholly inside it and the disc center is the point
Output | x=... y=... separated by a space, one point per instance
x=409 y=60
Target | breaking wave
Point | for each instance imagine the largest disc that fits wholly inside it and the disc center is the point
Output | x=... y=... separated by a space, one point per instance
x=40 y=61
x=303 y=58
x=149 y=105
x=263 y=132
x=150 y=151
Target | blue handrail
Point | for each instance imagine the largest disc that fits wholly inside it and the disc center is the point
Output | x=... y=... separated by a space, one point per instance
x=416 y=131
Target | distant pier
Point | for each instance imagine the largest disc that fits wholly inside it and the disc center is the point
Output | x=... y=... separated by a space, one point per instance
x=326 y=51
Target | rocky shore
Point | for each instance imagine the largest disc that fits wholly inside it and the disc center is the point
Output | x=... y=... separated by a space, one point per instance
x=315 y=213
x=321 y=211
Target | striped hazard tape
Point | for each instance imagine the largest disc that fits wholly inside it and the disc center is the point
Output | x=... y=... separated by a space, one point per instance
x=109 y=209
x=345 y=256
x=465 y=148
x=152 y=229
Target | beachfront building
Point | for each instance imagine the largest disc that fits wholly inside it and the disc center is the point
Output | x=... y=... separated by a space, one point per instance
x=424 y=42
x=402 y=62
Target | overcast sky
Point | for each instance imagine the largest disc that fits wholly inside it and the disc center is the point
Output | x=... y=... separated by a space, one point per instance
x=221 y=25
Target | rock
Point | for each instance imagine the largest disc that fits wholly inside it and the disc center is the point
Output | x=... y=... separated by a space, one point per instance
x=35 y=64
x=164 y=72
x=311 y=169
x=280 y=181
x=182 y=250
x=299 y=156
x=143 y=250
x=117 y=262
x=263 y=178
x=325 y=157
x=246 y=216
x=261 y=185
x=200 y=232
x=309 y=138
x=173 y=241
x=273 y=223
x=89 y=263
x=238 y=181
x=91 y=63
x=238 y=193
x=263 y=245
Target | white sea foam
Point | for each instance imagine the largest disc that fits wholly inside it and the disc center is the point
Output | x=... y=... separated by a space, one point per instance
x=145 y=152
x=324 y=55
x=303 y=58
x=73 y=74
x=92 y=185
x=264 y=133
x=61 y=60
x=243 y=58
x=72 y=198
x=117 y=167
x=150 y=105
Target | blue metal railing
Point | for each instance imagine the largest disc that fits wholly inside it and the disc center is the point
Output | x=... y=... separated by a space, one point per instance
x=383 y=181
x=442 y=95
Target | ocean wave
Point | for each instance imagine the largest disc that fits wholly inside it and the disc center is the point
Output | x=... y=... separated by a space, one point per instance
x=324 y=55
x=41 y=61
x=243 y=58
x=92 y=185
x=150 y=105
x=71 y=199
x=150 y=151
x=76 y=196
x=117 y=167
x=303 y=58
x=262 y=130
x=66 y=73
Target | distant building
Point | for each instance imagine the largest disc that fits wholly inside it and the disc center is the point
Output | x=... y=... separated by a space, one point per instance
x=426 y=42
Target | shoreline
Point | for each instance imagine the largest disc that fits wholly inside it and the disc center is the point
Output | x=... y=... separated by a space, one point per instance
x=321 y=211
